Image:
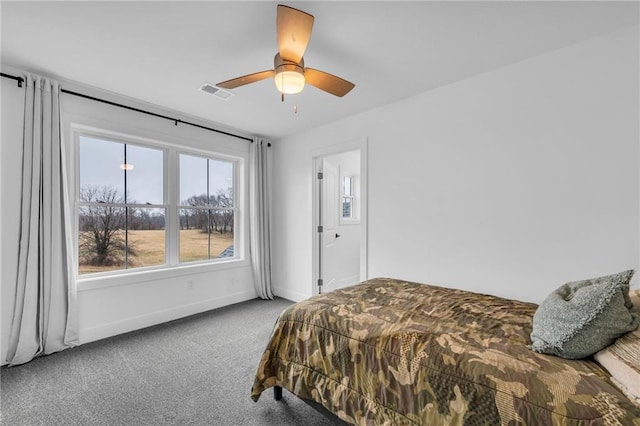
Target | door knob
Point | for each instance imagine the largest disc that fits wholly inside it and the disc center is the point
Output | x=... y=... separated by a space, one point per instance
x=337 y=235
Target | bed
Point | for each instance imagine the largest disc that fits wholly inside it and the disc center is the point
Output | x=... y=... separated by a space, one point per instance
x=391 y=352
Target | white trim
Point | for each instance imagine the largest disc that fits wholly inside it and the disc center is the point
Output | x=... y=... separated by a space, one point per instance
x=286 y=293
x=138 y=322
x=360 y=144
x=137 y=276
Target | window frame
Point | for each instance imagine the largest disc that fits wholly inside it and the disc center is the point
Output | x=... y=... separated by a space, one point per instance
x=354 y=219
x=172 y=265
x=344 y=196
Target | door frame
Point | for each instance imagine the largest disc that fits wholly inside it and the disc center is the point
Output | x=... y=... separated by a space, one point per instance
x=360 y=144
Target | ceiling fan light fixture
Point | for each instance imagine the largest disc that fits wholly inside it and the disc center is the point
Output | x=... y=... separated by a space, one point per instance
x=289 y=81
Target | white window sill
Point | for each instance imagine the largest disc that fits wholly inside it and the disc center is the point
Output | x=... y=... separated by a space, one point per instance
x=95 y=282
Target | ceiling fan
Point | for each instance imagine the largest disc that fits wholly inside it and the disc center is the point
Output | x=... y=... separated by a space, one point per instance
x=290 y=75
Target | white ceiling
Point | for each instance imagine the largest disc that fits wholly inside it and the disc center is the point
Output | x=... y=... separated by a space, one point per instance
x=161 y=52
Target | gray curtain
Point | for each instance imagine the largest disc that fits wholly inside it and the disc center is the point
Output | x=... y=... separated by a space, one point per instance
x=259 y=211
x=44 y=315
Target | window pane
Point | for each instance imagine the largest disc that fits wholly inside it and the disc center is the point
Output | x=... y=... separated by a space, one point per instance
x=145 y=180
x=221 y=183
x=146 y=237
x=206 y=234
x=194 y=235
x=346 y=207
x=101 y=239
x=105 y=244
x=100 y=162
x=222 y=233
x=193 y=180
x=347 y=186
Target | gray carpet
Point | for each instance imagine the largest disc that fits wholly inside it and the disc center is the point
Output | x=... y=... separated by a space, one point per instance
x=194 y=371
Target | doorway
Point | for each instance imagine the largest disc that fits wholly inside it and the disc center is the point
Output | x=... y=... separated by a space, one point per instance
x=340 y=218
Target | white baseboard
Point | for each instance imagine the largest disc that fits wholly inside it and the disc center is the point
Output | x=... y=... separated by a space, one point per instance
x=135 y=323
x=289 y=294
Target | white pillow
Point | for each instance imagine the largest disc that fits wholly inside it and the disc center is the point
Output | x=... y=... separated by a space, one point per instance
x=622 y=359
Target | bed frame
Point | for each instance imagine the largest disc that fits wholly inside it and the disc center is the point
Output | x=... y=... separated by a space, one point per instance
x=277 y=395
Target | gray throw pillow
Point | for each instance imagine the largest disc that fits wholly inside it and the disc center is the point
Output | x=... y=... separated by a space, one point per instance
x=582 y=317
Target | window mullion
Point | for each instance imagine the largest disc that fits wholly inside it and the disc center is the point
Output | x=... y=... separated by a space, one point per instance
x=172 y=199
x=208 y=214
x=126 y=212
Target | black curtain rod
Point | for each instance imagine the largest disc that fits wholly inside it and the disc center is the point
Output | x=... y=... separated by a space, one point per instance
x=20 y=80
x=175 y=120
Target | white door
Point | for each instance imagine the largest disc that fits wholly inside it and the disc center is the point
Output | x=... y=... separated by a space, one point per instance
x=339 y=240
x=330 y=224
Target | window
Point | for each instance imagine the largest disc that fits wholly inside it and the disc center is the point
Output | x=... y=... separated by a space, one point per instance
x=347 y=197
x=152 y=206
x=207 y=208
x=122 y=212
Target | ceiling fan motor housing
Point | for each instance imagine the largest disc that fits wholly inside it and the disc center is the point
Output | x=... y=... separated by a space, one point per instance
x=289 y=75
x=280 y=65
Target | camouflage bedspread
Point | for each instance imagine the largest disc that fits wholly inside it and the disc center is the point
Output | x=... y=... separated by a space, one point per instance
x=387 y=352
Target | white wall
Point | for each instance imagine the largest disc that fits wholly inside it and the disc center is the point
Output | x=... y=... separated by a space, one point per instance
x=12 y=113
x=509 y=183
x=115 y=305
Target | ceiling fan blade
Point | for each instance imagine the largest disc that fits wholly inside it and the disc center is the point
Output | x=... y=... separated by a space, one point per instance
x=246 y=79
x=294 y=30
x=328 y=82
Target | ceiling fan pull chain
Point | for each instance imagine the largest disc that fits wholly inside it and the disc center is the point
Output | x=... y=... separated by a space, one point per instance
x=282 y=96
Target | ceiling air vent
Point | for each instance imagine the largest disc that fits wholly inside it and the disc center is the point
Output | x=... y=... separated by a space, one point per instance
x=216 y=91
